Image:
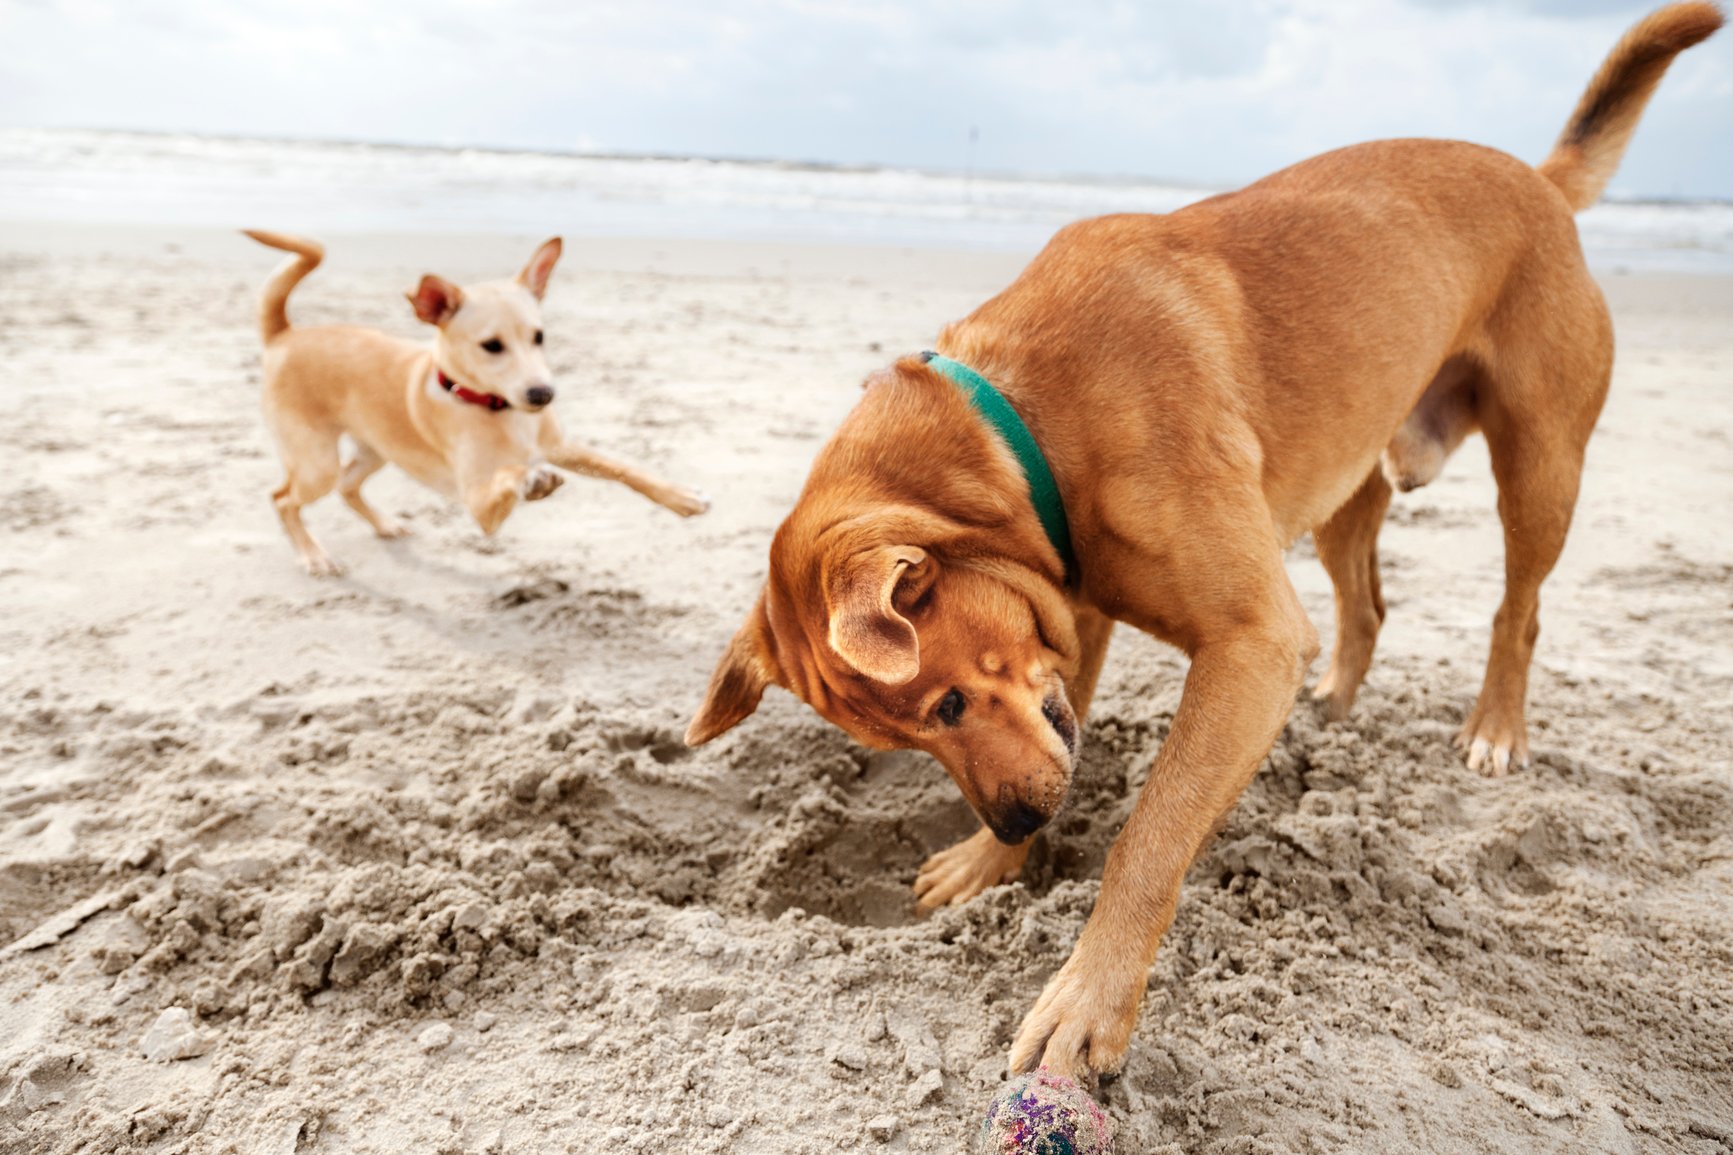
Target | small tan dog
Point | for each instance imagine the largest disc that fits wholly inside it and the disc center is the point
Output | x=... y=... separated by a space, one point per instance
x=1134 y=431
x=469 y=416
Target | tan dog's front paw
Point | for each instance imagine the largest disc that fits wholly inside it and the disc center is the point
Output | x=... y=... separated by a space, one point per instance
x=955 y=875
x=685 y=502
x=540 y=481
x=390 y=528
x=1082 y=1022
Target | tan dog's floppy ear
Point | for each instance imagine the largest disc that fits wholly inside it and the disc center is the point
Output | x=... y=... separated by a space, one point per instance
x=746 y=668
x=534 y=276
x=866 y=630
x=436 y=299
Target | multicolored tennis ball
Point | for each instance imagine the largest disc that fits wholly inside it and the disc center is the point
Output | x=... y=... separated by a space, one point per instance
x=1045 y=1114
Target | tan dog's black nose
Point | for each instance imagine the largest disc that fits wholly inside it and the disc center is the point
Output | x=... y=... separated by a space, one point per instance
x=1012 y=824
x=539 y=395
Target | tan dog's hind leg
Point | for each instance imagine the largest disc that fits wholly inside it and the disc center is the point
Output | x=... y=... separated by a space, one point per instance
x=958 y=873
x=578 y=459
x=1536 y=497
x=1538 y=412
x=1538 y=474
x=363 y=465
x=1348 y=547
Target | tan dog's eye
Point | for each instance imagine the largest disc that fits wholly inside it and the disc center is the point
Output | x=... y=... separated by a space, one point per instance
x=493 y=345
x=951 y=707
x=538 y=336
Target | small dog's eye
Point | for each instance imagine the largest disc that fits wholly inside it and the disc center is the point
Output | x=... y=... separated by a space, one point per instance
x=538 y=336
x=493 y=345
x=951 y=707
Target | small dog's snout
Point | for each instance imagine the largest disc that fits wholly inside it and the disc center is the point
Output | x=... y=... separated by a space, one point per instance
x=539 y=395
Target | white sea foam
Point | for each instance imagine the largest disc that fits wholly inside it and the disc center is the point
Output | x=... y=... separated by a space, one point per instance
x=85 y=176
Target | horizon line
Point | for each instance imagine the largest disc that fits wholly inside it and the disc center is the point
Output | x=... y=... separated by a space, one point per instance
x=996 y=175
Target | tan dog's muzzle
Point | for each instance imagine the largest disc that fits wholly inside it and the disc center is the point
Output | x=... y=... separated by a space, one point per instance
x=1020 y=810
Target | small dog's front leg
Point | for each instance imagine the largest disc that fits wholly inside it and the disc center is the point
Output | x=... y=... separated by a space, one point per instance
x=578 y=459
x=540 y=481
x=491 y=500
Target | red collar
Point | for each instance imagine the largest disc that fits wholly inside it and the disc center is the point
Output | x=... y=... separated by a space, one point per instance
x=492 y=402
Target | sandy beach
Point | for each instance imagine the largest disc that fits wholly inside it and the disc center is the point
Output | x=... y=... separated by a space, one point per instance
x=422 y=856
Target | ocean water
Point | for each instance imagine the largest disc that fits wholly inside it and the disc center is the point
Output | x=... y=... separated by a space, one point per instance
x=137 y=178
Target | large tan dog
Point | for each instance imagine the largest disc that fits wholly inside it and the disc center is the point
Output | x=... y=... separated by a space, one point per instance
x=1206 y=386
x=468 y=416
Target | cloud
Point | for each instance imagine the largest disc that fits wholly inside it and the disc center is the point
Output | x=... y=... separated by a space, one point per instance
x=1629 y=10
x=1195 y=90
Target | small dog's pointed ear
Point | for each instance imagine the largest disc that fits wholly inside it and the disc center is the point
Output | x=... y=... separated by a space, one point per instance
x=866 y=630
x=436 y=299
x=534 y=276
x=746 y=668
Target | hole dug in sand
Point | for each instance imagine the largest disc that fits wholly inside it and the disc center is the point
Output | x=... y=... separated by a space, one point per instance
x=621 y=914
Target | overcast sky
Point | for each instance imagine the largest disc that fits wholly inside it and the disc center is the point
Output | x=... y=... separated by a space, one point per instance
x=1211 y=92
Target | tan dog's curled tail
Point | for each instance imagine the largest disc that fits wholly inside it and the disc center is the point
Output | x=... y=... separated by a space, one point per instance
x=273 y=302
x=1593 y=142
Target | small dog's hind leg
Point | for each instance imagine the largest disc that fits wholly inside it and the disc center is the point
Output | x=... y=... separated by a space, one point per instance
x=309 y=455
x=363 y=465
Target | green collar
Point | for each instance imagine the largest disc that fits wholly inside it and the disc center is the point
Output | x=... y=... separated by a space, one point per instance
x=1043 y=489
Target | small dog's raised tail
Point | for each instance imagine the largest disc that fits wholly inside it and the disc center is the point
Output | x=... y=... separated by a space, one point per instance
x=273 y=302
x=1593 y=142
